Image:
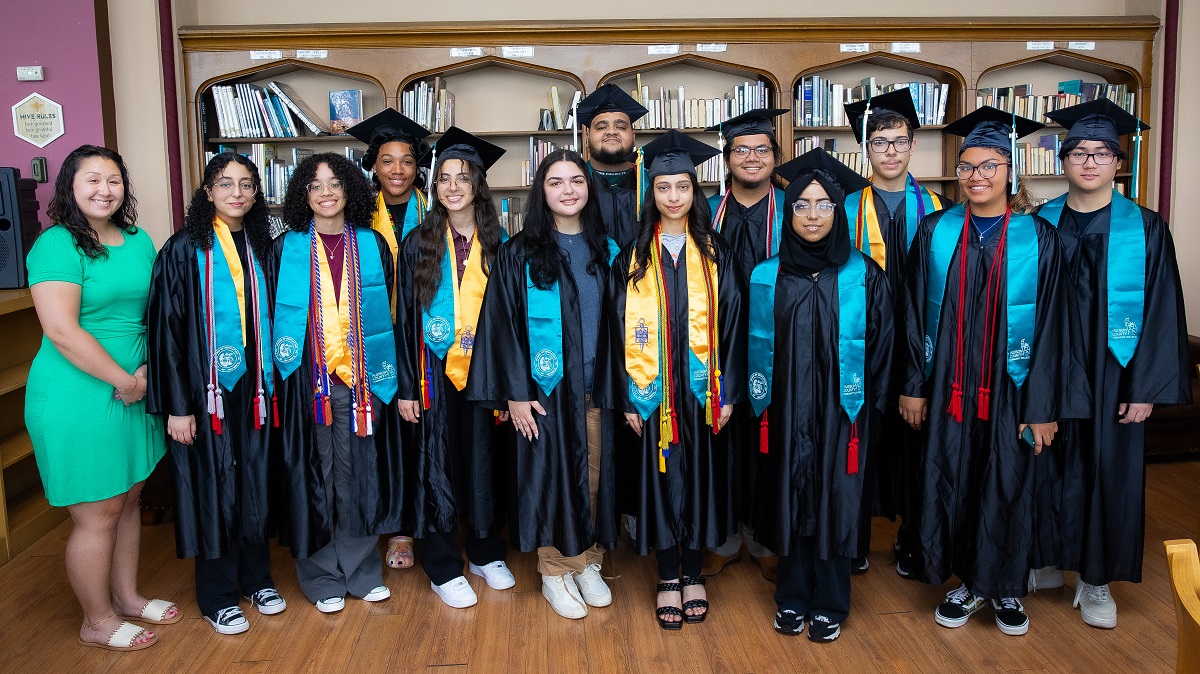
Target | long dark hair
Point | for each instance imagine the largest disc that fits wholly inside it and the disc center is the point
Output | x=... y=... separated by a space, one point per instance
x=431 y=241
x=199 y=220
x=417 y=147
x=541 y=250
x=699 y=227
x=65 y=211
x=360 y=198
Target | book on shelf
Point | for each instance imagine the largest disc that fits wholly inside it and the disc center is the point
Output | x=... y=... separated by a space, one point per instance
x=430 y=104
x=345 y=109
x=296 y=106
x=511 y=216
x=538 y=150
x=820 y=102
x=299 y=154
x=1021 y=100
x=556 y=108
x=1041 y=158
x=670 y=108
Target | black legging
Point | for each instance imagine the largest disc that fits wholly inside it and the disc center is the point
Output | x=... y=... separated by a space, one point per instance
x=670 y=559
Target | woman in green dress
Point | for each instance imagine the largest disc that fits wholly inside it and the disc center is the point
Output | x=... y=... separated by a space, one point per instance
x=89 y=275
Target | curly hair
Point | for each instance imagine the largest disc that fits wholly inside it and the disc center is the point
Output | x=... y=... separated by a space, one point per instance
x=698 y=226
x=199 y=220
x=360 y=198
x=541 y=250
x=419 y=148
x=431 y=241
x=64 y=210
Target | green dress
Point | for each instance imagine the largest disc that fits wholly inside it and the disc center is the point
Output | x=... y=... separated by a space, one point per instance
x=89 y=446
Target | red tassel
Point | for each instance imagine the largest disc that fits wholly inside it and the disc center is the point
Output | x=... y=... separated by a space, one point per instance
x=254 y=413
x=275 y=409
x=328 y=408
x=955 y=408
x=361 y=431
x=216 y=424
x=763 y=435
x=852 y=451
x=984 y=402
x=674 y=428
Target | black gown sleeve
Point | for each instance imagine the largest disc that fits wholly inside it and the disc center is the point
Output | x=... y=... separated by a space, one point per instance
x=732 y=316
x=168 y=380
x=610 y=383
x=500 y=369
x=407 y=322
x=880 y=330
x=1039 y=400
x=915 y=289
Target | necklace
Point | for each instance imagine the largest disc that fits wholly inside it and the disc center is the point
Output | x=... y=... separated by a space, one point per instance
x=333 y=251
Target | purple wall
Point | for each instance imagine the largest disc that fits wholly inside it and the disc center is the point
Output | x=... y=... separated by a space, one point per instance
x=60 y=36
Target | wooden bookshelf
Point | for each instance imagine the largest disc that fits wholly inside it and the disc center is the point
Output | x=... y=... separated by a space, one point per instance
x=25 y=515
x=958 y=52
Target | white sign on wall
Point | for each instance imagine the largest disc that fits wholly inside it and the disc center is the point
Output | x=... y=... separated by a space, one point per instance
x=37 y=120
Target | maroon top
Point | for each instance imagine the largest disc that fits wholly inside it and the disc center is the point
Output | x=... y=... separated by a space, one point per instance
x=335 y=254
x=462 y=249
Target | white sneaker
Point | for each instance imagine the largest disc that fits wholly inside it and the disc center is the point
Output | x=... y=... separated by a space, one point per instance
x=496 y=574
x=331 y=604
x=378 y=594
x=1045 y=578
x=595 y=591
x=563 y=596
x=1096 y=605
x=457 y=593
x=229 y=620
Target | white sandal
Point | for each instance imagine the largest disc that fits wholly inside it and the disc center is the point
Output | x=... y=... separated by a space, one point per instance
x=122 y=638
x=155 y=613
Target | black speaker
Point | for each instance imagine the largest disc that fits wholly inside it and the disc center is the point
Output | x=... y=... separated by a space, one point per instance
x=18 y=226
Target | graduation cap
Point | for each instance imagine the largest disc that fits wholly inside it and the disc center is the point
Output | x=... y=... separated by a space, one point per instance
x=389 y=125
x=609 y=98
x=749 y=123
x=1103 y=120
x=898 y=101
x=458 y=144
x=675 y=152
x=818 y=160
x=996 y=129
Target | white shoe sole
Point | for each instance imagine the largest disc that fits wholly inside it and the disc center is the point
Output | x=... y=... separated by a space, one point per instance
x=597 y=602
x=229 y=629
x=465 y=602
x=501 y=585
x=269 y=610
x=1013 y=631
x=575 y=612
x=951 y=622
x=378 y=596
x=1098 y=622
x=331 y=607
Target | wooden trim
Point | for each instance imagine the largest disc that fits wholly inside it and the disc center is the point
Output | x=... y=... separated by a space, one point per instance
x=1068 y=59
x=488 y=62
x=108 y=97
x=604 y=32
x=286 y=66
x=704 y=62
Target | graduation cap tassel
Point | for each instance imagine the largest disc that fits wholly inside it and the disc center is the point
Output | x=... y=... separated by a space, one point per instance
x=721 y=147
x=1012 y=152
x=641 y=180
x=1137 y=160
x=865 y=116
x=575 y=121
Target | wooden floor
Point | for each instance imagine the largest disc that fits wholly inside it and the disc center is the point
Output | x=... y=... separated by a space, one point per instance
x=891 y=628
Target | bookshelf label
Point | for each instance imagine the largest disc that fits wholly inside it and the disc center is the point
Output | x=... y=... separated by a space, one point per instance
x=524 y=52
x=856 y=47
x=662 y=49
x=1082 y=46
x=465 y=52
x=1039 y=45
x=711 y=47
x=265 y=54
x=906 y=47
x=312 y=53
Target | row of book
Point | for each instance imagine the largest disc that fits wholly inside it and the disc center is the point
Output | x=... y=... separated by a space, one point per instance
x=512 y=214
x=1040 y=158
x=819 y=101
x=274 y=169
x=1021 y=100
x=672 y=109
x=429 y=104
x=250 y=111
x=538 y=150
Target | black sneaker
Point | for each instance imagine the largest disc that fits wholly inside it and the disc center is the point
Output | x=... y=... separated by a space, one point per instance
x=859 y=565
x=1010 y=616
x=958 y=607
x=228 y=621
x=788 y=622
x=821 y=629
x=905 y=565
x=267 y=601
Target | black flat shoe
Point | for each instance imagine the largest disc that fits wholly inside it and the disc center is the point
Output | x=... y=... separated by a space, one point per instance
x=663 y=611
x=694 y=603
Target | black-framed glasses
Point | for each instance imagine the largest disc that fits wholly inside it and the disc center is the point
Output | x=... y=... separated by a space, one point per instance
x=986 y=170
x=880 y=145
x=802 y=207
x=762 y=151
x=1079 y=157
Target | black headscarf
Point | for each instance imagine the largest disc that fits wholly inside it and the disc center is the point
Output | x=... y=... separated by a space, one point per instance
x=799 y=257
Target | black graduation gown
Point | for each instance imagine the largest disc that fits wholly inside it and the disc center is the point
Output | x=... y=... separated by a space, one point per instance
x=451 y=457
x=221 y=481
x=692 y=503
x=1103 y=461
x=552 y=503
x=808 y=491
x=892 y=478
x=378 y=495
x=618 y=207
x=977 y=515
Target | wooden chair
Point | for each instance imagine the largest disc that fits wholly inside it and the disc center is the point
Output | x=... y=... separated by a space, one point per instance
x=1184 y=567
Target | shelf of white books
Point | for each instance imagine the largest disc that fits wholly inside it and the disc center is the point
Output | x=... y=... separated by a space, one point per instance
x=819 y=94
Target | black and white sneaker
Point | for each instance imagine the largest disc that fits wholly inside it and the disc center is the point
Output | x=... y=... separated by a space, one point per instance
x=267 y=601
x=958 y=607
x=905 y=562
x=822 y=629
x=860 y=565
x=228 y=620
x=1010 y=616
x=788 y=622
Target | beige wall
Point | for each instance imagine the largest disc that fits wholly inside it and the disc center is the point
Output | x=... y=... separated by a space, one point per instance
x=1185 y=198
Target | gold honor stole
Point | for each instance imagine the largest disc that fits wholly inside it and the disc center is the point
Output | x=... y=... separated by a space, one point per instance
x=468 y=298
x=335 y=319
x=229 y=248
x=648 y=343
x=868 y=218
x=381 y=222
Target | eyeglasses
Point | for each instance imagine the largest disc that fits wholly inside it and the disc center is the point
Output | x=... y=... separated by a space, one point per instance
x=986 y=170
x=461 y=181
x=227 y=186
x=880 y=145
x=319 y=188
x=823 y=207
x=1079 y=157
x=762 y=151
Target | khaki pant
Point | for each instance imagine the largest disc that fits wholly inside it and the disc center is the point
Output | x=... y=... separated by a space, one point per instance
x=551 y=562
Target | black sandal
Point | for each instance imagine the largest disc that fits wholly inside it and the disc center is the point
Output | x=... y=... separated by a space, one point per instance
x=664 y=611
x=694 y=603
